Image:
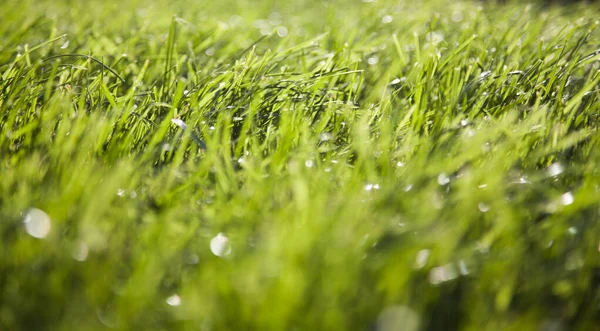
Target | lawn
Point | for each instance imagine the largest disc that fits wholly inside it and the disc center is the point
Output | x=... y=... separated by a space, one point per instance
x=299 y=165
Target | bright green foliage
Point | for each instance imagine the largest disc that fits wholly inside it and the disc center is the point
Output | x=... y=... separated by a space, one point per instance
x=374 y=165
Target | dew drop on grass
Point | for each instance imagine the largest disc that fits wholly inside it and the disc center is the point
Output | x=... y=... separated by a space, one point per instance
x=37 y=223
x=65 y=45
x=235 y=20
x=555 y=169
x=325 y=136
x=443 y=179
x=457 y=16
x=282 y=31
x=192 y=259
x=220 y=246
x=400 y=164
x=107 y=316
x=174 y=300
x=373 y=60
x=422 y=258
x=484 y=208
x=398 y=317
x=462 y=268
x=567 y=198
x=371 y=187
x=309 y=163
x=387 y=19
x=179 y=123
x=434 y=37
x=442 y=274
x=80 y=251
x=121 y=192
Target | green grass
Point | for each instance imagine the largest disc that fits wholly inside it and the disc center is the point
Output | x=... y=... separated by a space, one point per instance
x=385 y=165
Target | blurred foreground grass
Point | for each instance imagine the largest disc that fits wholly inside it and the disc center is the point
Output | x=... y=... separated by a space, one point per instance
x=299 y=165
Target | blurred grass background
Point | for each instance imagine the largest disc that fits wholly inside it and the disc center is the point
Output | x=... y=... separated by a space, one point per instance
x=345 y=165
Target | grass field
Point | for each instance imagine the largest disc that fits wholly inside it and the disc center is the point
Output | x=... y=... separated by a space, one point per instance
x=299 y=165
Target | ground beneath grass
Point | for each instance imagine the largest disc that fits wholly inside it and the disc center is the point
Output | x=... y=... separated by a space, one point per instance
x=299 y=165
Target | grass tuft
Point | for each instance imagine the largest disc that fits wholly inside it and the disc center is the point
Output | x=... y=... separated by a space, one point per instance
x=233 y=165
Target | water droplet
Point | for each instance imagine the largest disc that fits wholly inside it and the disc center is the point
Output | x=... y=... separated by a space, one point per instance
x=434 y=37
x=574 y=261
x=567 y=198
x=457 y=16
x=555 y=169
x=282 y=31
x=484 y=208
x=220 y=246
x=192 y=259
x=121 y=192
x=309 y=163
x=462 y=268
x=65 y=45
x=398 y=317
x=387 y=19
x=398 y=81
x=370 y=187
x=464 y=122
x=325 y=136
x=174 y=300
x=442 y=274
x=408 y=187
x=422 y=258
x=37 y=223
x=235 y=20
x=107 y=316
x=373 y=60
x=572 y=230
x=80 y=251
x=400 y=164
x=274 y=18
x=179 y=123
x=443 y=179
